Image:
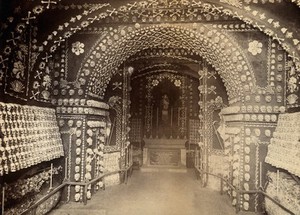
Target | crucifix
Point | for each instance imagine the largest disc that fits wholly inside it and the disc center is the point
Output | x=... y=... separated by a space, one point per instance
x=47 y=57
x=48 y=2
x=28 y=18
x=2 y=61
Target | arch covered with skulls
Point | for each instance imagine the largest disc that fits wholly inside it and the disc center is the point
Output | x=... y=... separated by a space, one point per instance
x=230 y=63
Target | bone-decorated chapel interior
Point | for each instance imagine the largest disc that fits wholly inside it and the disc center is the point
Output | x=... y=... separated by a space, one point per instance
x=95 y=93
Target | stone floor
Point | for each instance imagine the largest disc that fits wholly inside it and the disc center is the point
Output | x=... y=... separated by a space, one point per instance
x=154 y=193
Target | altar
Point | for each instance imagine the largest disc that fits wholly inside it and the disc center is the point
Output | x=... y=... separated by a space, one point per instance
x=164 y=152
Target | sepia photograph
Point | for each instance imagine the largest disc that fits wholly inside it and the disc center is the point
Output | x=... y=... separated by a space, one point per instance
x=149 y=107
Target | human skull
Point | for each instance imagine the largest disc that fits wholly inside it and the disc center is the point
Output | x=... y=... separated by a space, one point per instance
x=77 y=197
x=77 y=177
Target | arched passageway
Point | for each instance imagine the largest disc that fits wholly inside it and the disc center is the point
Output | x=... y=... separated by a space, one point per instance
x=203 y=84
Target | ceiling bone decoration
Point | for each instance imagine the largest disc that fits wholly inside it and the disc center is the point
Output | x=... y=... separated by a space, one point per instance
x=172 y=53
x=168 y=36
x=269 y=24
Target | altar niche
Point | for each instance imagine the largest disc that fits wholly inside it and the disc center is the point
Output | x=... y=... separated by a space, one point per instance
x=165 y=110
x=164 y=152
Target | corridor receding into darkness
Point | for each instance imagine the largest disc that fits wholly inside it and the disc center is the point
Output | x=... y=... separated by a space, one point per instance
x=154 y=193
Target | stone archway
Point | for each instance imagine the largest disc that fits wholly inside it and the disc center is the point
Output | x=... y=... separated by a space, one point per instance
x=215 y=47
x=231 y=63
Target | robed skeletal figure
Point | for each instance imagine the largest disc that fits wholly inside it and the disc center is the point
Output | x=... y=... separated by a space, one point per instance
x=164 y=124
x=165 y=109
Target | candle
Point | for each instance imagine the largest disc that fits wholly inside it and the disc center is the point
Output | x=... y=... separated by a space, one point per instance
x=277 y=182
x=157 y=122
x=171 y=117
x=178 y=117
x=151 y=115
x=195 y=158
x=151 y=120
x=51 y=179
x=66 y=167
x=260 y=174
x=171 y=121
x=131 y=151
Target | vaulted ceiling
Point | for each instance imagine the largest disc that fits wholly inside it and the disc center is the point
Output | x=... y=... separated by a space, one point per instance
x=278 y=18
x=52 y=22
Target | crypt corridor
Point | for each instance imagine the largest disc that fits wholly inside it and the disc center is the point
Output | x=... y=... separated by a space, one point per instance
x=150 y=107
